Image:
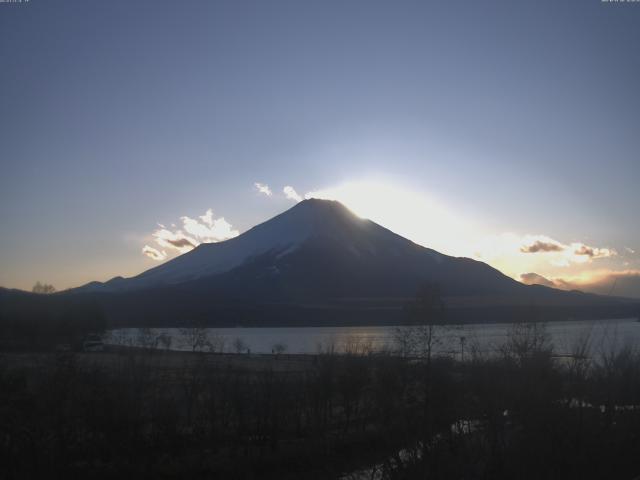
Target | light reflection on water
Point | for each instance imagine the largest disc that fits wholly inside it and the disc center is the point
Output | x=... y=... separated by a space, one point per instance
x=603 y=336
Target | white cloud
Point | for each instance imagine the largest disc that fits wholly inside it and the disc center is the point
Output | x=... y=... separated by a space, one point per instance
x=580 y=249
x=207 y=217
x=195 y=231
x=212 y=230
x=153 y=253
x=263 y=188
x=575 y=252
x=291 y=194
x=513 y=253
x=560 y=262
x=177 y=240
x=542 y=245
x=421 y=218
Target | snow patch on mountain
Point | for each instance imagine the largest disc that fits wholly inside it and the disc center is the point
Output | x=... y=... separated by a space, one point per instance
x=313 y=219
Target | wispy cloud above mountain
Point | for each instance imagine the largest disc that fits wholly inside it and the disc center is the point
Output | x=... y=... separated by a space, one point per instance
x=542 y=246
x=291 y=194
x=563 y=255
x=154 y=253
x=209 y=229
x=203 y=229
x=263 y=189
x=177 y=240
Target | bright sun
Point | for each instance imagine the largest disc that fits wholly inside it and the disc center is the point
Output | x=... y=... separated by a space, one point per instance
x=410 y=214
x=427 y=222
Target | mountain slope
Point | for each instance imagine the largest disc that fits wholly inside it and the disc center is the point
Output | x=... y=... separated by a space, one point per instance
x=318 y=263
x=320 y=241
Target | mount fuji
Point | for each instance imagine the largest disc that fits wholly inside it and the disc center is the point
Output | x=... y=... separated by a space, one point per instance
x=316 y=240
x=318 y=263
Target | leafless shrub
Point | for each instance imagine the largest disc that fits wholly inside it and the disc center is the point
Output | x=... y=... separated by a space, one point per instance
x=526 y=341
x=196 y=338
x=356 y=345
x=404 y=341
x=43 y=288
x=216 y=343
x=239 y=345
x=147 y=338
x=164 y=341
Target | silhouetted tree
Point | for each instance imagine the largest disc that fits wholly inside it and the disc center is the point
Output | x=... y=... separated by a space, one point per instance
x=425 y=315
x=196 y=338
x=43 y=288
x=239 y=345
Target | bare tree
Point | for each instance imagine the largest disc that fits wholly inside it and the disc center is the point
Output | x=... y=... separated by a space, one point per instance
x=356 y=345
x=217 y=343
x=426 y=314
x=147 y=338
x=239 y=345
x=196 y=338
x=43 y=288
x=164 y=340
x=404 y=340
x=527 y=340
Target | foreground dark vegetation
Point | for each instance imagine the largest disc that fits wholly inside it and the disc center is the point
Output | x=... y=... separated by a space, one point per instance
x=39 y=322
x=520 y=413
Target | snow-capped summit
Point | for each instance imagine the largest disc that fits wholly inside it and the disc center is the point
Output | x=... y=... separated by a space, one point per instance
x=310 y=220
x=317 y=247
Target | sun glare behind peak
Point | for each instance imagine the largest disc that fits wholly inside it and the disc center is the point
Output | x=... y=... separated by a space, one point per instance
x=403 y=211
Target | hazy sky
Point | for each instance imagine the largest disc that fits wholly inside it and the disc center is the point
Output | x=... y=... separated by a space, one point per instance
x=478 y=127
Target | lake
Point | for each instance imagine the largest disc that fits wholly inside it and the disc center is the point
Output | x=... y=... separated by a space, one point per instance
x=602 y=335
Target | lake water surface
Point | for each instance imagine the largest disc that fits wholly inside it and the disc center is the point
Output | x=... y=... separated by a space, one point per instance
x=602 y=336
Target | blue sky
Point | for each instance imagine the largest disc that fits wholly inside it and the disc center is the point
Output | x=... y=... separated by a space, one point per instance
x=522 y=117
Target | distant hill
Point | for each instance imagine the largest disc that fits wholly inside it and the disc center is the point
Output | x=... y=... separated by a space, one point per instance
x=318 y=263
x=29 y=320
